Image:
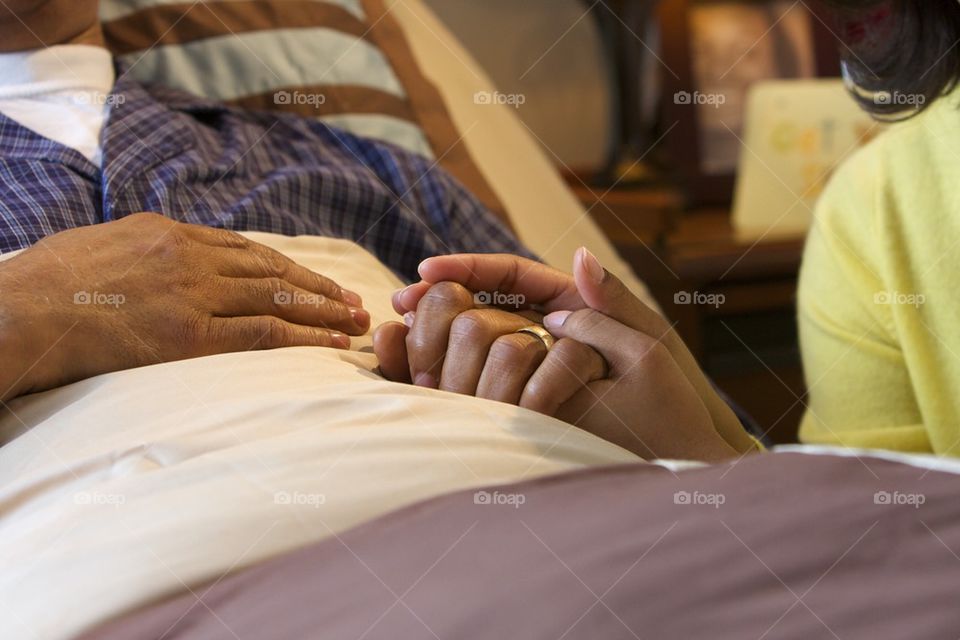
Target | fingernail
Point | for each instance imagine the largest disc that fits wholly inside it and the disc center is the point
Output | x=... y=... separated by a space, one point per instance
x=398 y=296
x=340 y=340
x=351 y=298
x=425 y=380
x=591 y=265
x=408 y=318
x=556 y=319
x=420 y=267
x=360 y=316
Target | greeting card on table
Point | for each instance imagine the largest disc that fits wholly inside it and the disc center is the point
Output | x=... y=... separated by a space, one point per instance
x=796 y=134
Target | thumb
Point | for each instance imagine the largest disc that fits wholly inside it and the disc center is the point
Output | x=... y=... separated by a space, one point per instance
x=619 y=345
x=606 y=293
x=536 y=282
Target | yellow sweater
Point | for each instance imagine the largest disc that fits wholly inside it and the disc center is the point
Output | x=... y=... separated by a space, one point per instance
x=879 y=299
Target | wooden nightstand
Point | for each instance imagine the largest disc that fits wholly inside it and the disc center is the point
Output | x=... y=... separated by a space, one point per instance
x=734 y=302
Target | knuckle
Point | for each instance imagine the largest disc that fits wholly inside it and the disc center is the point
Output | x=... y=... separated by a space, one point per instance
x=144 y=217
x=448 y=292
x=587 y=320
x=537 y=396
x=515 y=348
x=422 y=347
x=569 y=350
x=326 y=285
x=186 y=283
x=273 y=285
x=272 y=262
x=192 y=332
x=278 y=264
x=577 y=356
x=271 y=332
x=171 y=242
x=231 y=239
x=331 y=311
x=470 y=326
x=651 y=354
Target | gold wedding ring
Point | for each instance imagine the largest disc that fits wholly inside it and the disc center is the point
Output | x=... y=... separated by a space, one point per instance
x=540 y=333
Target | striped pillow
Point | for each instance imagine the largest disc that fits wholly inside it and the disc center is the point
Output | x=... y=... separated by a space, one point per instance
x=345 y=62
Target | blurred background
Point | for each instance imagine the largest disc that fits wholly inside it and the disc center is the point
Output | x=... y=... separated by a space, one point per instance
x=698 y=134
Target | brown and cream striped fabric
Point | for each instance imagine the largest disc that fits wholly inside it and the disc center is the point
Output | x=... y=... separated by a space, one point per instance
x=346 y=62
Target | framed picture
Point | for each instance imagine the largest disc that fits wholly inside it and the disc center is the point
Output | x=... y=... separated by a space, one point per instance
x=713 y=51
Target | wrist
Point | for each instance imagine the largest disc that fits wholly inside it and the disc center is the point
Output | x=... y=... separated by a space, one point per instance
x=715 y=450
x=13 y=378
x=731 y=430
x=24 y=349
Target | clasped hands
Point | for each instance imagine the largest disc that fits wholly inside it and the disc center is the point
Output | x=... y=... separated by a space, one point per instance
x=617 y=369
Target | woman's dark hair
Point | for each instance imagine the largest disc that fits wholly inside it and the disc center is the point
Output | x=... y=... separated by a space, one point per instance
x=898 y=55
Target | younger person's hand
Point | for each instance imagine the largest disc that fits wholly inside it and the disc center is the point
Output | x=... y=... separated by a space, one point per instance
x=644 y=403
x=590 y=288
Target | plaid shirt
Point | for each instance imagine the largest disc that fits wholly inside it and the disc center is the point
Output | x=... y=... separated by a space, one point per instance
x=201 y=162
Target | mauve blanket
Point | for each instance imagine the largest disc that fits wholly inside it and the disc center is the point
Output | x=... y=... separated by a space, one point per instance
x=774 y=546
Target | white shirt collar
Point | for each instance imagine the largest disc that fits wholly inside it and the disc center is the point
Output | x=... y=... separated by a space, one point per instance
x=60 y=92
x=60 y=69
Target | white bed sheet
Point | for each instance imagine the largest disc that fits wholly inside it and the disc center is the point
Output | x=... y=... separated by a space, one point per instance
x=138 y=483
